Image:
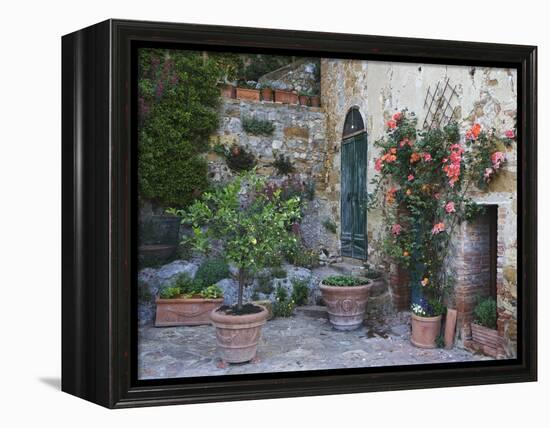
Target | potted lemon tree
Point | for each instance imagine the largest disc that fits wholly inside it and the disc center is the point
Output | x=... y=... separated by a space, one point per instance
x=254 y=225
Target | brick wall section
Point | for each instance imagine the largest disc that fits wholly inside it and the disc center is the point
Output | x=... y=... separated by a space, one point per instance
x=399 y=288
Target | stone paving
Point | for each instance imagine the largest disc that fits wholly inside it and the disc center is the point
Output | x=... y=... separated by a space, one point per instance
x=288 y=344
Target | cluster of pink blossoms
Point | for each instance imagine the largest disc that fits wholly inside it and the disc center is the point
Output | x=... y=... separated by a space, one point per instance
x=396 y=229
x=497 y=159
x=452 y=164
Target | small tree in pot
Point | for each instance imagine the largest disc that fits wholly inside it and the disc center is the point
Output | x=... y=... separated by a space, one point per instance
x=254 y=225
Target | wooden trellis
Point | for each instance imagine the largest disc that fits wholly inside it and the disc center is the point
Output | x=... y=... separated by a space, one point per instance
x=439 y=105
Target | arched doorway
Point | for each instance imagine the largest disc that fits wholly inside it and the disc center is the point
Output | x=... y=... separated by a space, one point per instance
x=353 y=210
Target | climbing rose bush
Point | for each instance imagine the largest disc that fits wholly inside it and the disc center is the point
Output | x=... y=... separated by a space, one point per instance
x=421 y=187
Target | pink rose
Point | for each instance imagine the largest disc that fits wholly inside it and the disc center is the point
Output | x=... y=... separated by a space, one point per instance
x=427 y=157
x=410 y=177
x=391 y=124
x=510 y=134
x=396 y=229
x=450 y=207
x=397 y=116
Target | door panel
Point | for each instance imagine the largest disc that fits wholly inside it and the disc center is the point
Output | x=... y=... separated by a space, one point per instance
x=353 y=191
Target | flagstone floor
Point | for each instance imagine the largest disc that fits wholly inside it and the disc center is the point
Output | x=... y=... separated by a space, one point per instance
x=288 y=344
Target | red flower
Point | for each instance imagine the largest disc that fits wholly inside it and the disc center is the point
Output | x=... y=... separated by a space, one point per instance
x=390 y=196
x=510 y=134
x=427 y=157
x=438 y=228
x=410 y=177
x=405 y=141
x=415 y=157
x=397 y=116
x=391 y=124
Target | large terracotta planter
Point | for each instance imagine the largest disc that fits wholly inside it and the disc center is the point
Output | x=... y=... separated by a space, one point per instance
x=345 y=305
x=194 y=311
x=485 y=336
x=238 y=335
x=248 y=94
x=425 y=331
x=285 y=97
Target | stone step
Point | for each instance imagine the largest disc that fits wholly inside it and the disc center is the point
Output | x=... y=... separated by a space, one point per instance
x=313 y=311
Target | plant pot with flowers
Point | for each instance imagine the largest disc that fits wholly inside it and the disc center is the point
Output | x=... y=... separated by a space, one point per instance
x=187 y=302
x=247 y=91
x=346 y=300
x=252 y=230
x=484 y=327
x=422 y=189
x=266 y=93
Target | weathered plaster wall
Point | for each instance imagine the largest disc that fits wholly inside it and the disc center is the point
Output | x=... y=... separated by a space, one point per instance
x=484 y=95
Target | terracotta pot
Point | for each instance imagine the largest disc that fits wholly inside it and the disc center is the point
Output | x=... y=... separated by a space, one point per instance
x=425 y=331
x=345 y=305
x=194 y=311
x=248 y=94
x=315 y=101
x=267 y=94
x=238 y=335
x=303 y=99
x=228 y=91
x=285 y=97
x=485 y=336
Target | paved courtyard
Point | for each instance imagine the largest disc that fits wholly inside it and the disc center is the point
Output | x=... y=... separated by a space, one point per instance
x=288 y=344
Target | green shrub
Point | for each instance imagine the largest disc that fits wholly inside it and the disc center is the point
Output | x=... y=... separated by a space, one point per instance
x=265 y=283
x=254 y=126
x=344 y=281
x=211 y=271
x=283 y=306
x=178 y=110
x=211 y=292
x=329 y=225
x=278 y=272
x=485 y=313
x=298 y=255
x=187 y=285
x=239 y=159
x=283 y=165
x=300 y=291
x=169 y=292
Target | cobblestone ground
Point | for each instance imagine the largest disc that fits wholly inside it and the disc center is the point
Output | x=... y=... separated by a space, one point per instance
x=288 y=344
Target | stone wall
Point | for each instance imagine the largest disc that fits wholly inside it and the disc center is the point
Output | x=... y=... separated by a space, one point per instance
x=487 y=96
x=300 y=134
x=299 y=76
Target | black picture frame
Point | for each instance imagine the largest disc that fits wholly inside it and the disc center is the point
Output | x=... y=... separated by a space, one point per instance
x=98 y=220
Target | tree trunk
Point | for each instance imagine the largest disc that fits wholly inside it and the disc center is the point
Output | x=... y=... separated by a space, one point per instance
x=241 y=289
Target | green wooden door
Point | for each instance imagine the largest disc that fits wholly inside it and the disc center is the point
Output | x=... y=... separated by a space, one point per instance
x=353 y=190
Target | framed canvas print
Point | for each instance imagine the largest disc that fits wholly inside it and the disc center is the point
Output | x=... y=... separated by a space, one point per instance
x=253 y=213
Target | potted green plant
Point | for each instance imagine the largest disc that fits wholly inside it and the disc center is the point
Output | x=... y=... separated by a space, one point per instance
x=252 y=232
x=315 y=100
x=286 y=97
x=266 y=92
x=187 y=302
x=303 y=98
x=426 y=324
x=247 y=91
x=484 y=327
x=346 y=300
